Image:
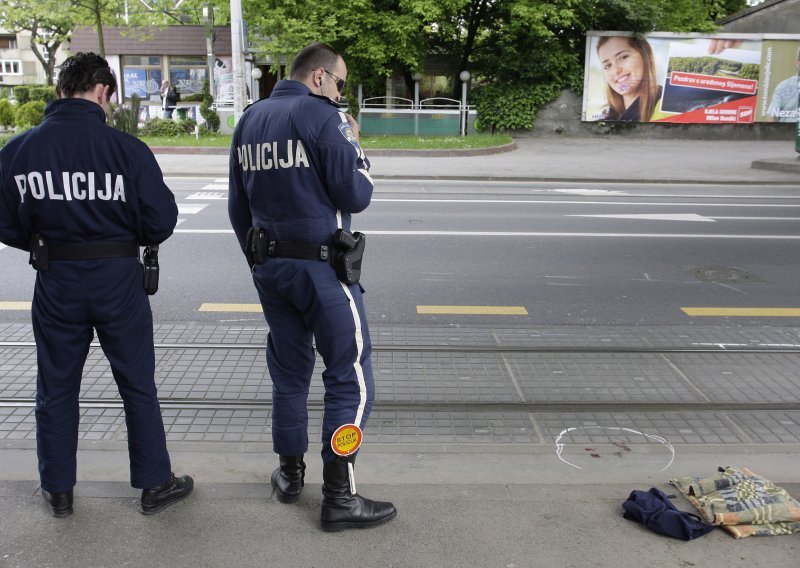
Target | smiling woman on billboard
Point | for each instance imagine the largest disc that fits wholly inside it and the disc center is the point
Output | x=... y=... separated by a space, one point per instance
x=629 y=71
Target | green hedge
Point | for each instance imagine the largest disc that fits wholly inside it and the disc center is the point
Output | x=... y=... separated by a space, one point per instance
x=27 y=93
x=22 y=93
x=509 y=107
x=167 y=127
x=6 y=113
x=43 y=93
x=30 y=114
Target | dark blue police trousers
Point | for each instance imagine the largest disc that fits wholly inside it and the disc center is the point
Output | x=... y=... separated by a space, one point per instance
x=303 y=301
x=70 y=299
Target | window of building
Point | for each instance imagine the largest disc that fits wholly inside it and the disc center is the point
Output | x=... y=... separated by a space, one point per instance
x=141 y=76
x=9 y=42
x=10 y=67
x=187 y=75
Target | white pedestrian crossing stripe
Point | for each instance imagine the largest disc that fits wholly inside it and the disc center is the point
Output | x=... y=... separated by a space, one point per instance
x=215 y=186
x=191 y=208
x=209 y=195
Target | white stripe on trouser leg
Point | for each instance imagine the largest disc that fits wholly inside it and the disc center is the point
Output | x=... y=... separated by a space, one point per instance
x=338 y=219
x=362 y=385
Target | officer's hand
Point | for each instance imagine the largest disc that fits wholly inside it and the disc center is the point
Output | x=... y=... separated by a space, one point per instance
x=354 y=127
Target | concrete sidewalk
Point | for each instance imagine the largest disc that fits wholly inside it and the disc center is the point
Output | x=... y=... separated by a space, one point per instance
x=484 y=509
x=613 y=159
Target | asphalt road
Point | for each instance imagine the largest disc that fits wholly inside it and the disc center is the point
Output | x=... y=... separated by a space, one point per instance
x=520 y=255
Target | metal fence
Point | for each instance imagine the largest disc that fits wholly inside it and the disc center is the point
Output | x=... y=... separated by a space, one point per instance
x=429 y=117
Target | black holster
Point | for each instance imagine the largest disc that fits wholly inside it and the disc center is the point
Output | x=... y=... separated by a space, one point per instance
x=150 y=266
x=348 y=251
x=39 y=258
x=256 y=246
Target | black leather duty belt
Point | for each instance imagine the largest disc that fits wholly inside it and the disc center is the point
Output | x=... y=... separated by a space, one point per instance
x=298 y=250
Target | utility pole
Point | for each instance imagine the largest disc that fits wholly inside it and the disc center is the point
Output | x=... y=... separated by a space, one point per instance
x=208 y=21
x=237 y=47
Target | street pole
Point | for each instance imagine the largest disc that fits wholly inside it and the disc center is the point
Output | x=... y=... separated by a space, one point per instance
x=416 y=77
x=208 y=21
x=237 y=47
x=464 y=76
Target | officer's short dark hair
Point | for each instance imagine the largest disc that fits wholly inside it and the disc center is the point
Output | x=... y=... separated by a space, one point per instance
x=313 y=57
x=81 y=72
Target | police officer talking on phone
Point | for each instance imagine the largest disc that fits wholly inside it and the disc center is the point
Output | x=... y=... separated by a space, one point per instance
x=82 y=197
x=297 y=174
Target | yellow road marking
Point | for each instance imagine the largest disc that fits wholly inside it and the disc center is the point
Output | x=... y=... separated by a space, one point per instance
x=15 y=305
x=255 y=308
x=474 y=310
x=751 y=312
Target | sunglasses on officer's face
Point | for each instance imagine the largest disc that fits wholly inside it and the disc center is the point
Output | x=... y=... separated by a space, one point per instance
x=339 y=82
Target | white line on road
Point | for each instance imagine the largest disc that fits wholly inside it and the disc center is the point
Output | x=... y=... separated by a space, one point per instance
x=577 y=235
x=191 y=208
x=654 y=217
x=561 y=202
x=209 y=195
x=206 y=231
x=215 y=186
x=756 y=218
x=523 y=234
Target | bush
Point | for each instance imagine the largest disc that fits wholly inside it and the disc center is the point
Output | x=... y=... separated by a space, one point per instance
x=167 y=127
x=188 y=125
x=45 y=93
x=22 y=93
x=209 y=114
x=30 y=114
x=126 y=118
x=5 y=92
x=6 y=113
x=508 y=107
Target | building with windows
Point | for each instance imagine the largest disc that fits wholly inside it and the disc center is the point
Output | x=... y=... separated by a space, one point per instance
x=18 y=63
x=143 y=57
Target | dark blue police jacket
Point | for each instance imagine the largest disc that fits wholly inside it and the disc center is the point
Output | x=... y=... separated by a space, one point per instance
x=296 y=168
x=75 y=179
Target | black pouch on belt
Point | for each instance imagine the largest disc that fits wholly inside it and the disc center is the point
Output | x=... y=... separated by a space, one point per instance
x=348 y=251
x=150 y=265
x=39 y=259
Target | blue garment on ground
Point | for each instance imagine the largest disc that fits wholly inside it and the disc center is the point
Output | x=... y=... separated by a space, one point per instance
x=656 y=512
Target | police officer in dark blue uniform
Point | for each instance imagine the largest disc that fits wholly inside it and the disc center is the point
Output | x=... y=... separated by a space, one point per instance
x=297 y=174
x=82 y=197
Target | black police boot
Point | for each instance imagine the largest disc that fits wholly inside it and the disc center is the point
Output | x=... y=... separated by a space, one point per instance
x=342 y=509
x=60 y=504
x=288 y=479
x=156 y=499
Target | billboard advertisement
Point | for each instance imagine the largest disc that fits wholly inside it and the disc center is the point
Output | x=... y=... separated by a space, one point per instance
x=689 y=78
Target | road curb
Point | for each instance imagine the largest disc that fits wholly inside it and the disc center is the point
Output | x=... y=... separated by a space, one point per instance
x=384 y=152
